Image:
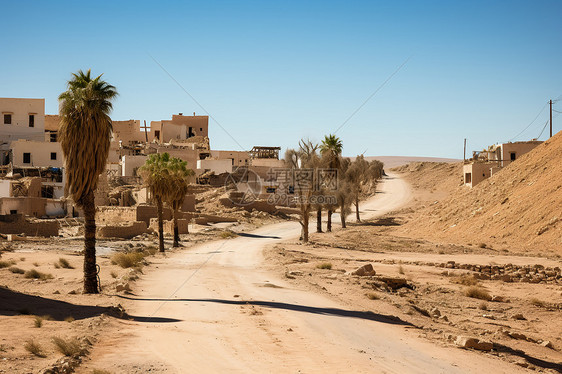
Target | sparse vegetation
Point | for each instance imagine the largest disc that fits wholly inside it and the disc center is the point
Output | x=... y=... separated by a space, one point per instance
x=538 y=303
x=38 y=321
x=324 y=265
x=34 y=348
x=69 y=319
x=63 y=263
x=465 y=280
x=227 y=235
x=477 y=293
x=128 y=260
x=372 y=296
x=401 y=270
x=100 y=371
x=113 y=274
x=5 y=264
x=68 y=347
x=483 y=306
x=16 y=270
x=37 y=275
x=36 y=264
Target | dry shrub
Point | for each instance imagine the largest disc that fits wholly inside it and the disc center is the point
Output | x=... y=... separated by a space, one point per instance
x=465 y=280
x=227 y=235
x=128 y=260
x=100 y=371
x=69 y=319
x=38 y=321
x=37 y=275
x=16 y=270
x=372 y=296
x=5 y=264
x=400 y=270
x=34 y=348
x=63 y=263
x=113 y=274
x=68 y=347
x=324 y=265
x=483 y=306
x=477 y=293
x=538 y=303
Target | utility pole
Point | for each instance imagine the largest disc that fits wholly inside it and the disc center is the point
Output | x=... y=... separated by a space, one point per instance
x=550 y=118
x=464 y=152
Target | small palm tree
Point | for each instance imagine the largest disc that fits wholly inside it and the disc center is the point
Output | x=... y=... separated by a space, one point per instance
x=157 y=178
x=85 y=136
x=331 y=149
x=179 y=174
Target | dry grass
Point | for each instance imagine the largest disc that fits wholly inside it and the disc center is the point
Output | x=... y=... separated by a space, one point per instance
x=37 y=275
x=228 y=235
x=465 y=280
x=372 y=296
x=538 y=303
x=34 y=348
x=38 y=321
x=324 y=265
x=401 y=270
x=69 y=319
x=483 y=306
x=5 y=264
x=16 y=270
x=68 y=347
x=113 y=274
x=129 y=260
x=477 y=293
x=100 y=371
x=63 y=263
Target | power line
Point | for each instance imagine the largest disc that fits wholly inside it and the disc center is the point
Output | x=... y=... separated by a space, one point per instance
x=196 y=102
x=529 y=125
x=373 y=94
x=544 y=127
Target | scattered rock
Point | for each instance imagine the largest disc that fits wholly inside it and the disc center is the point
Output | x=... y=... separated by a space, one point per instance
x=123 y=287
x=518 y=317
x=474 y=343
x=435 y=312
x=547 y=344
x=365 y=271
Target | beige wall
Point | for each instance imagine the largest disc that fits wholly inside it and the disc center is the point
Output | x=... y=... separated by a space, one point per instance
x=269 y=162
x=179 y=128
x=238 y=158
x=40 y=153
x=128 y=132
x=478 y=172
x=130 y=164
x=20 y=110
x=216 y=166
x=518 y=149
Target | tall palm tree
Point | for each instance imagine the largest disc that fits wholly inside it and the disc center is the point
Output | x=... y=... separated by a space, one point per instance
x=85 y=135
x=331 y=149
x=157 y=178
x=179 y=174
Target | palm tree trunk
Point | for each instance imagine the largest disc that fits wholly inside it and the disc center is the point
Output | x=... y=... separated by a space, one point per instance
x=90 y=268
x=176 y=230
x=342 y=215
x=319 y=219
x=160 y=223
x=305 y=219
x=329 y=227
x=357 y=209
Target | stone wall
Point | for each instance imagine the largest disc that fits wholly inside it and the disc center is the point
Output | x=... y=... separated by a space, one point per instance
x=17 y=224
x=126 y=231
x=112 y=215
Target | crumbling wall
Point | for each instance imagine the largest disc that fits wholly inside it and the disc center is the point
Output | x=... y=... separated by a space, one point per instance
x=17 y=224
x=113 y=215
x=126 y=231
x=169 y=226
x=146 y=212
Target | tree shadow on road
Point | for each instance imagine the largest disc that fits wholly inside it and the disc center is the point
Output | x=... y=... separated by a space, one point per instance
x=256 y=236
x=366 y=315
x=14 y=303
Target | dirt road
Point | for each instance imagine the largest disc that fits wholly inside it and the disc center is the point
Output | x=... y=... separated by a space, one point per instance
x=225 y=313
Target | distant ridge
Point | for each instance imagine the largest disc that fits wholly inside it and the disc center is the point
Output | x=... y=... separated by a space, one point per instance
x=394 y=161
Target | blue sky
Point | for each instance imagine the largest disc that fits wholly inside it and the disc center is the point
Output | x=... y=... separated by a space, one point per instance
x=274 y=72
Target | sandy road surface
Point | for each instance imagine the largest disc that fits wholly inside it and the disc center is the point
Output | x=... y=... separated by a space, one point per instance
x=226 y=314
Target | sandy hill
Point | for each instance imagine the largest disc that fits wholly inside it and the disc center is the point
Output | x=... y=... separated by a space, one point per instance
x=520 y=207
x=394 y=161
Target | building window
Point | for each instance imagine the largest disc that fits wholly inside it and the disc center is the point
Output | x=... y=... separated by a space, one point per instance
x=32 y=120
x=48 y=192
x=53 y=137
x=53 y=155
x=200 y=129
x=27 y=158
x=7 y=119
x=157 y=134
x=512 y=156
x=13 y=211
x=468 y=178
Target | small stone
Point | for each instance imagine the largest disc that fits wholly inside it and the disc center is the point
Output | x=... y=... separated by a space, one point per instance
x=547 y=344
x=474 y=343
x=123 y=287
x=519 y=317
x=365 y=271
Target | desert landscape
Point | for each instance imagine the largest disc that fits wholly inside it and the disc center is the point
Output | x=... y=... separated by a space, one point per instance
x=255 y=298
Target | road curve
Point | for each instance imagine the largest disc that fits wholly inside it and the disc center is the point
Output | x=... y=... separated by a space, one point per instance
x=213 y=309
